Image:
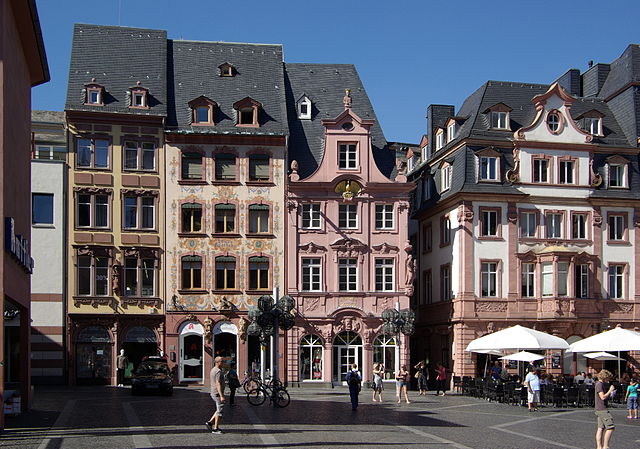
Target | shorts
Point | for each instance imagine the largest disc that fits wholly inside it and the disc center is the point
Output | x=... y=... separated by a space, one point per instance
x=632 y=403
x=533 y=396
x=605 y=420
x=219 y=405
x=401 y=383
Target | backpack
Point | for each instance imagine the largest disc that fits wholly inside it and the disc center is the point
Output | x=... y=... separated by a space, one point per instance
x=353 y=380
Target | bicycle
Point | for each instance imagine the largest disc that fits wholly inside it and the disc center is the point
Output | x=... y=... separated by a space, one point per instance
x=251 y=382
x=278 y=395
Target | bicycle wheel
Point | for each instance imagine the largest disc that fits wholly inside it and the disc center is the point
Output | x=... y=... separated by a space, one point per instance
x=257 y=396
x=282 y=398
x=251 y=384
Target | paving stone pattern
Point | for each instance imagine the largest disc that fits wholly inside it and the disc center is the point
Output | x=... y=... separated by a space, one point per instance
x=109 y=417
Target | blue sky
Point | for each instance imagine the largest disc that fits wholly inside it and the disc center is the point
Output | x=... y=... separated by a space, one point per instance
x=409 y=53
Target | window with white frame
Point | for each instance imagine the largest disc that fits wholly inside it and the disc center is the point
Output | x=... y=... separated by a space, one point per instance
x=347 y=275
x=445 y=282
x=489 y=223
x=616 y=227
x=547 y=278
x=425 y=153
x=384 y=216
x=445 y=179
x=446 y=230
x=311 y=216
x=384 y=275
x=528 y=224
x=554 y=121
x=348 y=216
x=593 y=125
x=411 y=164
x=93 y=275
x=528 y=280
x=499 y=120
x=489 y=279
x=92 y=210
x=553 y=223
x=49 y=152
x=139 y=155
x=579 y=226
x=311 y=274
x=139 y=212
x=582 y=280
x=540 y=170
x=451 y=132
x=488 y=168
x=562 y=278
x=304 y=109
x=347 y=156
x=439 y=139
x=616 y=281
x=566 y=172
x=140 y=275
x=617 y=175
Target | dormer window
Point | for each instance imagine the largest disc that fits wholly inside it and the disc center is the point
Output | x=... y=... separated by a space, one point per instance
x=138 y=96
x=445 y=179
x=451 y=131
x=247 y=112
x=499 y=116
x=499 y=119
x=94 y=93
x=488 y=164
x=227 y=70
x=593 y=125
x=304 y=108
x=617 y=169
x=202 y=109
x=439 y=138
x=424 y=151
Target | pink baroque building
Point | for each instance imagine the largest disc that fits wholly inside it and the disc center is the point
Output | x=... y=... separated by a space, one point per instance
x=348 y=257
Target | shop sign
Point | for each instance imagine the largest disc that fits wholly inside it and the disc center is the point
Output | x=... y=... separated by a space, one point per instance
x=17 y=246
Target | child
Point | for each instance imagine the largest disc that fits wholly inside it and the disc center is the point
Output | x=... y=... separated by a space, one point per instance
x=632 y=399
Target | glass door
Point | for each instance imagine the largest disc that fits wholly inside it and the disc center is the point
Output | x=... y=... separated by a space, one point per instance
x=347 y=355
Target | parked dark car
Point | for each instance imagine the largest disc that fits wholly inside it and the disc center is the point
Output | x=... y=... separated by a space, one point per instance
x=152 y=375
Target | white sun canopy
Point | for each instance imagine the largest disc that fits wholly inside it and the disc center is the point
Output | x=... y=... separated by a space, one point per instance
x=517 y=337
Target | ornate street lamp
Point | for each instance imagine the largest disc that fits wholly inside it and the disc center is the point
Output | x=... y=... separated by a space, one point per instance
x=397 y=321
x=267 y=317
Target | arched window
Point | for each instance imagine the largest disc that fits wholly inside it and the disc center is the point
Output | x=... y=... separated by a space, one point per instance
x=384 y=351
x=192 y=273
x=192 y=217
x=311 y=358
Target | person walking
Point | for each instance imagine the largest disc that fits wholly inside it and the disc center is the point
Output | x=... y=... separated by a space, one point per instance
x=354 y=381
x=605 y=420
x=441 y=379
x=378 y=374
x=217 y=394
x=233 y=381
x=632 y=398
x=402 y=380
x=423 y=376
x=532 y=382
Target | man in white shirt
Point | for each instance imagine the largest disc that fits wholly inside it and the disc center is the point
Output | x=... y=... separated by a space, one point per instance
x=532 y=381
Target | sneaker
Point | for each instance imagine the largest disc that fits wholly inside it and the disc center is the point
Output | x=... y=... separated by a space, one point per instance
x=209 y=426
x=216 y=431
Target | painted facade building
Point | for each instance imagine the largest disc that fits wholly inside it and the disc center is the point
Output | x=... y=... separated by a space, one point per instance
x=115 y=112
x=348 y=257
x=528 y=206
x=48 y=245
x=24 y=65
x=225 y=189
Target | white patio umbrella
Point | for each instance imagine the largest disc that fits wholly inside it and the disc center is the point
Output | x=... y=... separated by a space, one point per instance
x=600 y=356
x=523 y=356
x=614 y=340
x=517 y=337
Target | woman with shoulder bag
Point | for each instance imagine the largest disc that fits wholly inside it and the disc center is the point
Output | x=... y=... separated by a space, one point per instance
x=422 y=375
x=378 y=373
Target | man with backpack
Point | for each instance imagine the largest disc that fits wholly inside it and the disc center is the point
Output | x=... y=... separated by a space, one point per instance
x=354 y=381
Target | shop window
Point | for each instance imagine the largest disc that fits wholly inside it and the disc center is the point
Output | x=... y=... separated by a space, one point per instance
x=384 y=352
x=311 y=357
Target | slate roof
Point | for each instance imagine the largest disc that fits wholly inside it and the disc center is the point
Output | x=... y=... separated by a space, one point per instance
x=47 y=116
x=325 y=86
x=193 y=71
x=118 y=57
x=624 y=70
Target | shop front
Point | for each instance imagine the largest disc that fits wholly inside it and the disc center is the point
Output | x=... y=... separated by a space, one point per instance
x=94 y=355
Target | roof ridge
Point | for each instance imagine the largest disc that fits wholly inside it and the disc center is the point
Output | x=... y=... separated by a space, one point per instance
x=93 y=25
x=224 y=42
